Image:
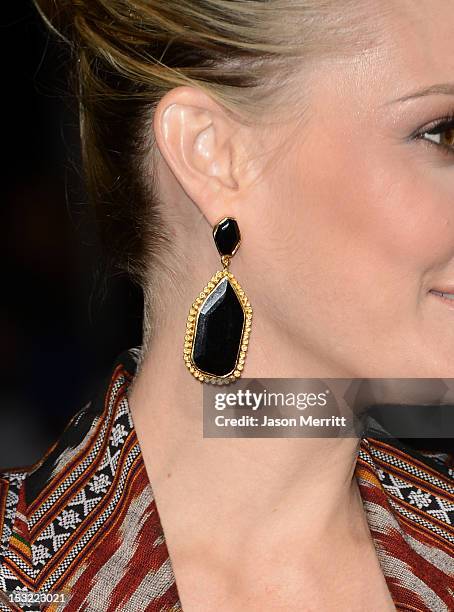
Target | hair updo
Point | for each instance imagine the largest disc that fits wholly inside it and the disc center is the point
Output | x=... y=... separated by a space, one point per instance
x=128 y=53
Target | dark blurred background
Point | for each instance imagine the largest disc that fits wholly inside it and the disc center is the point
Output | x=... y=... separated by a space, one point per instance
x=63 y=320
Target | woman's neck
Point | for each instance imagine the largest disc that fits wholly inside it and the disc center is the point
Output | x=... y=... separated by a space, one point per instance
x=230 y=491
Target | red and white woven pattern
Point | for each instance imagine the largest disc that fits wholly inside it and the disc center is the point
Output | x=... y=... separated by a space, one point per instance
x=410 y=510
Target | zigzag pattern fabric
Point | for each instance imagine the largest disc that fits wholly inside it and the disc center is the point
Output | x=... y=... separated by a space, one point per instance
x=83 y=520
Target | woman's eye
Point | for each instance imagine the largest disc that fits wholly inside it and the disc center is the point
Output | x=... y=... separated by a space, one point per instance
x=442 y=135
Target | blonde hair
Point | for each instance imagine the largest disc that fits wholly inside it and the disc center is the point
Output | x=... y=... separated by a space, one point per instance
x=128 y=53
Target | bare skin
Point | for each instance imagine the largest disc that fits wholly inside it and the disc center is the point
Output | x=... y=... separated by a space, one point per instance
x=347 y=232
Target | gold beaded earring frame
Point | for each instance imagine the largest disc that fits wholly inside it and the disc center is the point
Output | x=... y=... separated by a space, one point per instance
x=220 y=318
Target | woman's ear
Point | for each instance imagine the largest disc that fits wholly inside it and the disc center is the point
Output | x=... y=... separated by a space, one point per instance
x=200 y=144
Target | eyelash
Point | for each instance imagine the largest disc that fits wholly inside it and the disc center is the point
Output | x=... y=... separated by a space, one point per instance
x=438 y=127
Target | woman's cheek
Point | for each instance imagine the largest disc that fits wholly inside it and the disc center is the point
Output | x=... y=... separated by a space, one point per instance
x=419 y=234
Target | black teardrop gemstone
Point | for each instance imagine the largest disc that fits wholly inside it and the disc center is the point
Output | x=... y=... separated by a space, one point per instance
x=227 y=236
x=218 y=332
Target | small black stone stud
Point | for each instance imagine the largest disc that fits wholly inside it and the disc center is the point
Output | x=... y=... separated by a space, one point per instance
x=227 y=236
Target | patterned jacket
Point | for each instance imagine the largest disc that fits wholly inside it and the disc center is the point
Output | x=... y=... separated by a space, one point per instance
x=82 y=524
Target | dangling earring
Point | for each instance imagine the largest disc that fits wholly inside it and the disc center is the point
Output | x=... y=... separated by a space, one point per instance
x=220 y=319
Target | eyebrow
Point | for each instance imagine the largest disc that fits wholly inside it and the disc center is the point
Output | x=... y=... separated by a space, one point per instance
x=446 y=89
